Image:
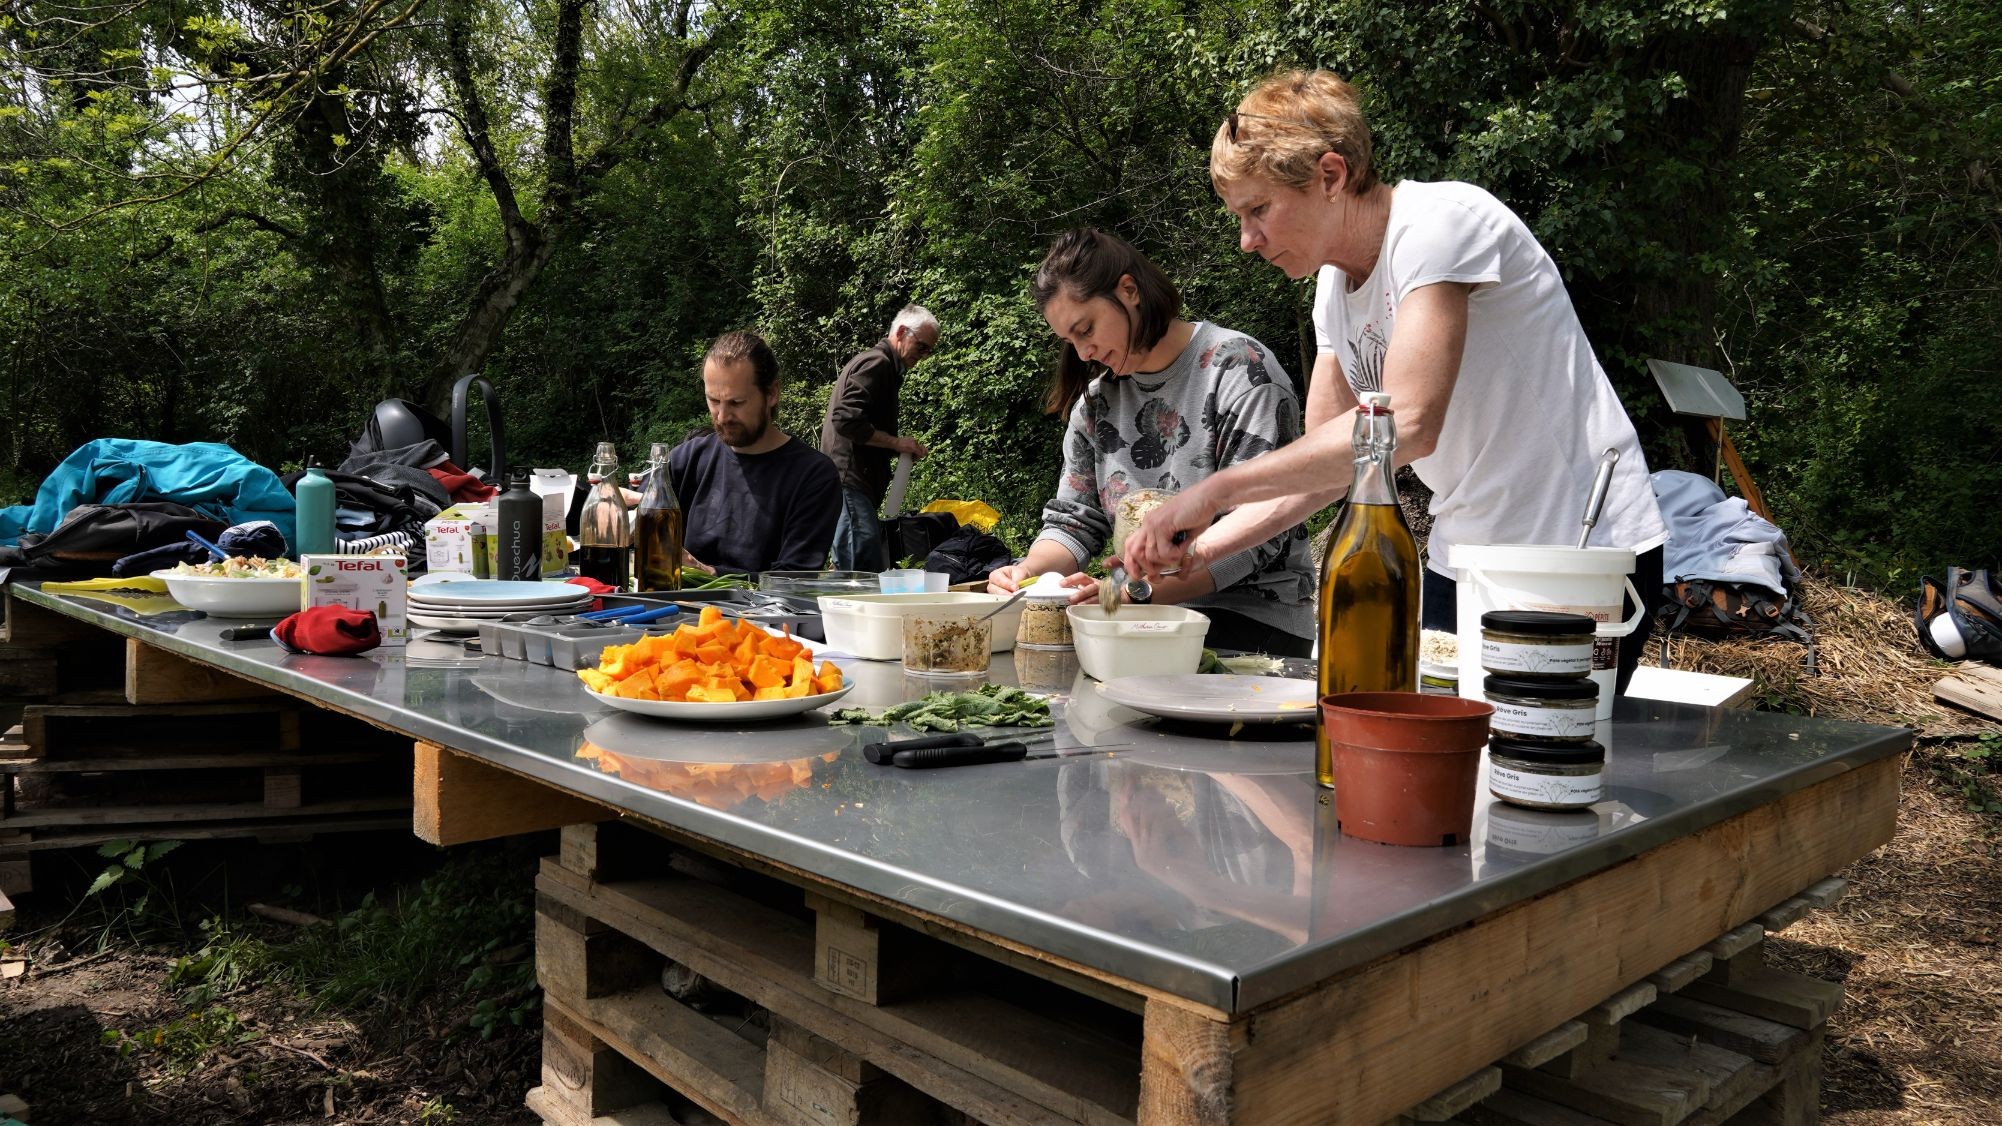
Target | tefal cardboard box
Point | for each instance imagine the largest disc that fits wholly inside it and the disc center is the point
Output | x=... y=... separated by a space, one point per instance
x=448 y=538
x=376 y=583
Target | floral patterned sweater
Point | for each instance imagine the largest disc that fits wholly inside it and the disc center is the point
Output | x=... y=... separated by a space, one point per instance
x=1222 y=401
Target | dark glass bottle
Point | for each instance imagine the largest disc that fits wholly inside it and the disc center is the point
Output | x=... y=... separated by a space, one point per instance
x=604 y=538
x=1370 y=580
x=658 y=529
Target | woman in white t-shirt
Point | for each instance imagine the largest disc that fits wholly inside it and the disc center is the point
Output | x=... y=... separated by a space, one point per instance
x=1438 y=294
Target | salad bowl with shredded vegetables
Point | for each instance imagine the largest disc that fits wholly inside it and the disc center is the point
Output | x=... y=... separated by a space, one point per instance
x=237 y=587
x=240 y=567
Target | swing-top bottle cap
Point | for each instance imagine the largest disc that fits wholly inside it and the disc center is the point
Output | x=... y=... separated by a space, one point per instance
x=1376 y=400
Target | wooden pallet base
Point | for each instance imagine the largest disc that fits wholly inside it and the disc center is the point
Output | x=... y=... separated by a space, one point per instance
x=977 y=1043
x=833 y=1015
x=1974 y=686
x=1713 y=1038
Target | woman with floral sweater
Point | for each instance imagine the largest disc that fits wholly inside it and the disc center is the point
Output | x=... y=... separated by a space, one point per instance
x=1158 y=402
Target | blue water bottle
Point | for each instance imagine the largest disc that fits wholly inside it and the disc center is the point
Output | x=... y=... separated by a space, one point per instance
x=315 y=492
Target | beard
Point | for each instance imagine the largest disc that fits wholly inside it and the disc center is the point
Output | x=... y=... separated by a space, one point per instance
x=737 y=435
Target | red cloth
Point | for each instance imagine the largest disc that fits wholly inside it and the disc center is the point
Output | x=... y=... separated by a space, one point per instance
x=594 y=586
x=460 y=485
x=332 y=631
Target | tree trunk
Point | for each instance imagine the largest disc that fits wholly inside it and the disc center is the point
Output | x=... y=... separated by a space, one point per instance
x=493 y=303
x=1676 y=309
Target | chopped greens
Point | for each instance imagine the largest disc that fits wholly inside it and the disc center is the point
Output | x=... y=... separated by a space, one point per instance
x=992 y=705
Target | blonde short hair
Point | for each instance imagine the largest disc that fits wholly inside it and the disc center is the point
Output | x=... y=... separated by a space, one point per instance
x=1285 y=125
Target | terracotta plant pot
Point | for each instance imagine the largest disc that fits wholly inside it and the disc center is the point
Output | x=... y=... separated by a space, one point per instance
x=1406 y=764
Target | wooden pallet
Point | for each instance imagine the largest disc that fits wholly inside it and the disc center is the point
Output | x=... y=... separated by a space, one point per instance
x=77 y=775
x=1715 y=1037
x=849 y=1013
x=1974 y=686
x=96 y=728
x=966 y=1039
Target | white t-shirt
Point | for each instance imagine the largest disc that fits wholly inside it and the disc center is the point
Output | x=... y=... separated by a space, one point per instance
x=1532 y=410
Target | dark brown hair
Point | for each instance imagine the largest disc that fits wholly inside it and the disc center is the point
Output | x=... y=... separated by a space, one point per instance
x=734 y=346
x=1087 y=263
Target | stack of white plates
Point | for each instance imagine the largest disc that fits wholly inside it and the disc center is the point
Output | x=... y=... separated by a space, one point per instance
x=461 y=606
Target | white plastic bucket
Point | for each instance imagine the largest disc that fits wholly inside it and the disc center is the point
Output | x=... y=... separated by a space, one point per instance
x=1565 y=580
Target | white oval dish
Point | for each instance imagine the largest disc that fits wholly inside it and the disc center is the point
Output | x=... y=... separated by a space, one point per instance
x=233 y=598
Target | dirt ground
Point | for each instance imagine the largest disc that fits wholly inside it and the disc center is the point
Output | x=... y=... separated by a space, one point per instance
x=1918 y=1039
x=61 y=1032
x=99 y=1028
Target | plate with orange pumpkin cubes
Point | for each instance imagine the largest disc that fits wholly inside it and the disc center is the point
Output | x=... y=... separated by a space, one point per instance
x=719 y=668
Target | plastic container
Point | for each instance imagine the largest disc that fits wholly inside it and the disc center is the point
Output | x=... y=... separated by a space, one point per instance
x=906 y=581
x=1406 y=765
x=1567 y=580
x=814 y=583
x=1138 y=640
x=1564 y=777
x=315 y=499
x=947 y=644
x=1537 y=644
x=1542 y=711
x=871 y=626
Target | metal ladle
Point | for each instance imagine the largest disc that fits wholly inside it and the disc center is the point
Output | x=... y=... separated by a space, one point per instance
x=1600 y=482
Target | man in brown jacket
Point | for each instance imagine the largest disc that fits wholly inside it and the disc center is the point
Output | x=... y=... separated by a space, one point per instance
x=860 y=433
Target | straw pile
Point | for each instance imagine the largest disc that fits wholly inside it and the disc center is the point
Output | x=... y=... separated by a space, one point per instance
x=1869 y=665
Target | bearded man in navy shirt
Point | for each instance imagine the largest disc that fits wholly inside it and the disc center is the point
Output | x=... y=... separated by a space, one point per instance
x=756 y=498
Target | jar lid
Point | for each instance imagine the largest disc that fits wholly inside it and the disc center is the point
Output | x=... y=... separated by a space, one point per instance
x=1580 y=688
x=1540 y=622
x=1048 y=587
x=1555 y=754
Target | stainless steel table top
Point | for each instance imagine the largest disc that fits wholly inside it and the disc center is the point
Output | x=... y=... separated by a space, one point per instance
x=1188 y=861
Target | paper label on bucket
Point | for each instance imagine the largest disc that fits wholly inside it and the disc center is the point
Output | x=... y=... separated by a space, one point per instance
x=1605 y=653
x=1598 y=613
x=1549 y=789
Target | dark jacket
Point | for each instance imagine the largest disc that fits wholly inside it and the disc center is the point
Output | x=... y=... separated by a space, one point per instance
x=864 y=402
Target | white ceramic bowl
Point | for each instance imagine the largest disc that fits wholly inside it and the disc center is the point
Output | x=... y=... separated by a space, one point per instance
x=1138 y=640
x=234 y=598
x=871 y=626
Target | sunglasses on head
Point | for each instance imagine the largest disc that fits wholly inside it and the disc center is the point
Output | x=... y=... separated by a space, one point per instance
x=1230 y=122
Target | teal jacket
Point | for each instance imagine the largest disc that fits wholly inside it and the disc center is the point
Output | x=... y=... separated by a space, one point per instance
x=208 y=477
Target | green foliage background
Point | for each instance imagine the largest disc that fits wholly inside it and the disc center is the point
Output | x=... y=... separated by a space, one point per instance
x=1796 y=193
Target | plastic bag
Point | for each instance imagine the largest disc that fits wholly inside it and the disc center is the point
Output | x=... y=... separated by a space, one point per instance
x=977 y=513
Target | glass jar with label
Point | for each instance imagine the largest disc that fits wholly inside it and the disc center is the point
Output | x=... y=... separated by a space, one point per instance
x=1547 y=776
x=1542 y=711
x=1537 y=644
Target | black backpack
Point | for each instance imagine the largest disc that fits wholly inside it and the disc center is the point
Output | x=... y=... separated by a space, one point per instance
x=94 y=536
x=1712 y=608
